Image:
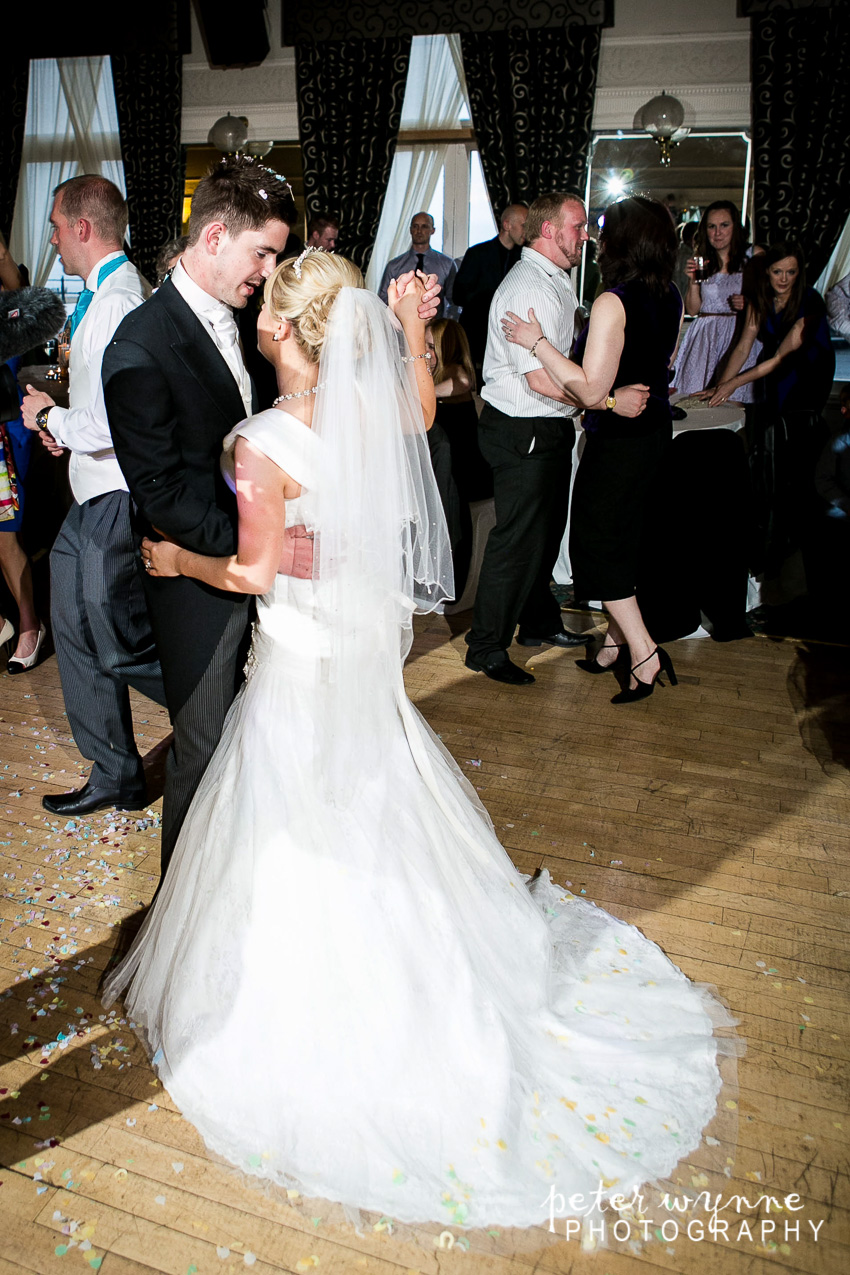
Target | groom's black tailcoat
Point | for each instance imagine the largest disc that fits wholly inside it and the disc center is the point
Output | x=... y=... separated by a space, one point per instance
x=171 y=399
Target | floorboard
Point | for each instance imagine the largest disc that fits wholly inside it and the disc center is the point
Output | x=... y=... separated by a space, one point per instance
x=714 y=816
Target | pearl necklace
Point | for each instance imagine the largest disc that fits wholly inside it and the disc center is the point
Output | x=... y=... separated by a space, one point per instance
x=283 y=398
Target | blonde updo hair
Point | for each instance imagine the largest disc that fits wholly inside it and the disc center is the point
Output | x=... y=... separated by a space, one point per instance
x=306 y=302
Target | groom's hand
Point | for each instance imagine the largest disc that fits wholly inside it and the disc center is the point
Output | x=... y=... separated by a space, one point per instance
x=296 y=557
x=430 y=303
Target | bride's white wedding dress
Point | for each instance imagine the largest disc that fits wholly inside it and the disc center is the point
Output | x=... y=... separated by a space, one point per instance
x=358 y=996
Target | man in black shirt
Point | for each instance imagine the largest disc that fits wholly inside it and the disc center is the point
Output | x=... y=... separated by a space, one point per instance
x=483 y=268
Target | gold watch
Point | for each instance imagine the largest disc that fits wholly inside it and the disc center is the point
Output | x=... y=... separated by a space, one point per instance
x=610 y=402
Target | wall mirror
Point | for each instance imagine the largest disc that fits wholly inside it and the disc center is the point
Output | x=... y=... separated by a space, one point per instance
x=705 y=166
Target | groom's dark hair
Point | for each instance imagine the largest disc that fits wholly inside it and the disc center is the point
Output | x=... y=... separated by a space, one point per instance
x=242 y=194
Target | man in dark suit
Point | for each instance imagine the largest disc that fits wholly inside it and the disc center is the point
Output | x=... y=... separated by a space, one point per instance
x=175 y=384
x=483 y=268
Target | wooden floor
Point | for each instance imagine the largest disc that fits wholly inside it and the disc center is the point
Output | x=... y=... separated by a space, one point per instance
x=713 y=816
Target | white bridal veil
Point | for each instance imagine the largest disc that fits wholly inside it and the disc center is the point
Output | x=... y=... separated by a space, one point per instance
x=381 y=548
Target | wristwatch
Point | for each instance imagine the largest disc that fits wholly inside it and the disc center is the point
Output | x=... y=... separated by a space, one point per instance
x=41 y=417
x=610 y=402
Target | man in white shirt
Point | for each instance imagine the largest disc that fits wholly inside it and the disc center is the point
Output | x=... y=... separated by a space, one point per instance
x=526 y=434
x=420 y=256
x=99 y=618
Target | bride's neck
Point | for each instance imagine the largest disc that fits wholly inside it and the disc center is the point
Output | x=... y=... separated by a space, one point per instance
x=297 y=380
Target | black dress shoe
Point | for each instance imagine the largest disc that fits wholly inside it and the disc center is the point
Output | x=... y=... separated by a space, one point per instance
x=88 y=799
x=501 y=670
x=563 y=638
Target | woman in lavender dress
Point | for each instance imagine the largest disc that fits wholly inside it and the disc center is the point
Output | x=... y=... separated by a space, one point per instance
x=716 y=302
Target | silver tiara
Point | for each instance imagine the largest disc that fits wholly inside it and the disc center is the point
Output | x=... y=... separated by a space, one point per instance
x=297 y=263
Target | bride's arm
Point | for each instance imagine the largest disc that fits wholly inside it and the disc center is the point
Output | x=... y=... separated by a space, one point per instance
x=261 y=492
x=405 y=306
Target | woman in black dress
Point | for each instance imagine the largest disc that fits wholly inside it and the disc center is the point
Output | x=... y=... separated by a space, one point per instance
x=792 y=379
x=633 y=329
x=454 y=383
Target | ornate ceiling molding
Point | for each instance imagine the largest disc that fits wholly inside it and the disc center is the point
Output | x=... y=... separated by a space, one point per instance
x=706 y=106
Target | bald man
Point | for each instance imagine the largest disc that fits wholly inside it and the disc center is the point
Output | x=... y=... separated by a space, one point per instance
x=420 y=256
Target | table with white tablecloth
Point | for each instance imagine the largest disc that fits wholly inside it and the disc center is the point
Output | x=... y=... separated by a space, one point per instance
x=697 y=535
x=726 y=416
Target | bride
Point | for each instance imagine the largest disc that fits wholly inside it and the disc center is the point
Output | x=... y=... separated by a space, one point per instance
x=344 y=983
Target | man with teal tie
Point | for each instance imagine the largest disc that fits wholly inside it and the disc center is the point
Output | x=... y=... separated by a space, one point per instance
x=99 y=618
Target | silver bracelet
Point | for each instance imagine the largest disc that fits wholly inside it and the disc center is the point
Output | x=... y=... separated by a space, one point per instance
x=536 y=343
x=411 y=358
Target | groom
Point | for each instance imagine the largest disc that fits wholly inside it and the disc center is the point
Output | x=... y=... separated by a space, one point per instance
x=175 y=384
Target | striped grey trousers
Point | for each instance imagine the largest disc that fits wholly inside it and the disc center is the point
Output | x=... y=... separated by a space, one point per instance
x=102 y=636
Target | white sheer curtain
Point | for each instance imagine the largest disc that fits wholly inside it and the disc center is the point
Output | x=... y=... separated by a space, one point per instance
x=434 y=97
x=839 y=263
x=72 y=127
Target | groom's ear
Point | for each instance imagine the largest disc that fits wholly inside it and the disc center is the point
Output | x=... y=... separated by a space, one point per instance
x=213 y=236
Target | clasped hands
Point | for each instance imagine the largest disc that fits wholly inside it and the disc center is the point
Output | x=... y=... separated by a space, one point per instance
x=414 y=287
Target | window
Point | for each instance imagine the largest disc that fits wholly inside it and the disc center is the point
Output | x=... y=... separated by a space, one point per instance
x=437 y=166
x=71 y=127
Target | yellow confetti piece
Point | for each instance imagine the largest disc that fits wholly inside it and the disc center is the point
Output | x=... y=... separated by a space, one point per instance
x=642 y=1102
x=809 y=1000
x=567 y=1103
x=602 y=1137
x=502 y=1145
x=307 y=1263
x=731 y=1106
x=293 y=1195
x=778 y=985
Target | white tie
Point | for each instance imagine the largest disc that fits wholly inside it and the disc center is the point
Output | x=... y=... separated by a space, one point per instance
x=226 y=336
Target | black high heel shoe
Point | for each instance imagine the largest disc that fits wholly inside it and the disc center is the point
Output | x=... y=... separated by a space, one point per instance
x=593 y=666
x=643 y=690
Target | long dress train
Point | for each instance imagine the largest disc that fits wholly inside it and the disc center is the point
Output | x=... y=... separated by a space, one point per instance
x=362 y=1000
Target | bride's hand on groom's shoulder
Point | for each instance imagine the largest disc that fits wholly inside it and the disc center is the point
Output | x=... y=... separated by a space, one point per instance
x=159 y=557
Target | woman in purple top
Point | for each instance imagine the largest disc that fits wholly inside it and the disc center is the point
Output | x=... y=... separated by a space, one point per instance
x=716 y=301
x=633 y=329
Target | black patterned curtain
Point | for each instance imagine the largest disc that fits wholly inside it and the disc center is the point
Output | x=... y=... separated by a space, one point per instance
x=349 y=110
x=801 y=126
x=305 y=21
x=531 y=94
x=13 y=118
x=148 y=94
